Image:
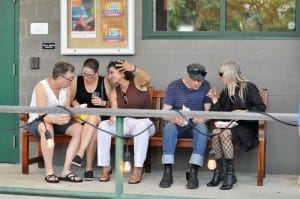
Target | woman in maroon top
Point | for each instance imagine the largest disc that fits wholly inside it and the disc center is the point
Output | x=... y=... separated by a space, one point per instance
x=130 y=92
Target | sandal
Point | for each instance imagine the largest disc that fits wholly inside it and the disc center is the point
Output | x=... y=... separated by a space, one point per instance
x=70 y=177
x=77 y=160
x=52 y=178
x=105 y=175
x=88 y=176
x=136 y=177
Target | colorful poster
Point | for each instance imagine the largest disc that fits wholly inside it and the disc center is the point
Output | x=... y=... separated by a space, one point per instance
x=83 y=19
x=112 y=8
x=113 y=32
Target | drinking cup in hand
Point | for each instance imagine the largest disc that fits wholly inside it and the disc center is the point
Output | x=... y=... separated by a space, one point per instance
x=95 y=94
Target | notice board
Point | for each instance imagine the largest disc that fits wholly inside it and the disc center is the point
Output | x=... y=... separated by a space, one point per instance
x=97 y=27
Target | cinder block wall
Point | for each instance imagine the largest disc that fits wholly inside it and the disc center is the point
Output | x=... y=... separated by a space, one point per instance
x=272 y=64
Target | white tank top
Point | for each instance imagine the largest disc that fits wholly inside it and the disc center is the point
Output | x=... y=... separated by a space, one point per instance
x=51 y=100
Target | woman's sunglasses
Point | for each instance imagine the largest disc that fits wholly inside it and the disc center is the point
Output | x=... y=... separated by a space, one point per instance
x=221 y=74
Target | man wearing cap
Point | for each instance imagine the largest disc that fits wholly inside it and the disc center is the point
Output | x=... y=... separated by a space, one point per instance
x=187 y=93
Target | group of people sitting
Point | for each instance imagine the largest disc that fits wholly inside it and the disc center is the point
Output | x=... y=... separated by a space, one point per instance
x=125 y=86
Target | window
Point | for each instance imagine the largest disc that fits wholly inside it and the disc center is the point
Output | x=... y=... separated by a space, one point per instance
x=232 y=19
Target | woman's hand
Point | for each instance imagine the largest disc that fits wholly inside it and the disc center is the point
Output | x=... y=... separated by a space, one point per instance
x=125 y=66
x=112 y=120
x=61 y=119
x=213 y=94
x=98 y=101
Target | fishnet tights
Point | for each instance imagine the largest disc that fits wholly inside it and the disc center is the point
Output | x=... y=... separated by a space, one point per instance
x=222 y=144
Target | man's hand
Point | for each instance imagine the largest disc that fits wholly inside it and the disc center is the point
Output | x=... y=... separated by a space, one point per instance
x=198 y=120
x=179 y=121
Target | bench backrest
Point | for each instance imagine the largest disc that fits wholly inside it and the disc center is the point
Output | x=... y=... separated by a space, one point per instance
x=157 y=102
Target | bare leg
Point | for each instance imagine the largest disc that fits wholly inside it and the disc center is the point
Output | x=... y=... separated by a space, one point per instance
x=106 y=171
x=90 y=153
x=47 y=152
x=87 y=135
x=75 y=132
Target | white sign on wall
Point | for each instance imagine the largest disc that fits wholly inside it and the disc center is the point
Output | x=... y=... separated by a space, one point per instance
x=39 y=28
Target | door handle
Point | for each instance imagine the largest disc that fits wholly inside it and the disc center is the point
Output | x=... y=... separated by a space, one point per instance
x=14 y=141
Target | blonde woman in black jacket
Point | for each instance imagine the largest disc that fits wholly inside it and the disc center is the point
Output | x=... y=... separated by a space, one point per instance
x=238 y=94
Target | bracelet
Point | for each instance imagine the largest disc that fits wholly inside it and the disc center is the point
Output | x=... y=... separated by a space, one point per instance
x=105 y=103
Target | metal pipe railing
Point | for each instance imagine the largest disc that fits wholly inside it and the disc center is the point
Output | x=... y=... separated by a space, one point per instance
x=120 y=113
x=152 y=113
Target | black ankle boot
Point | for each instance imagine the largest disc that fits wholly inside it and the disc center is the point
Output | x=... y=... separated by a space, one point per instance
x=218 y=174
x=229 y=178
x=193 y=182
x=167 y=178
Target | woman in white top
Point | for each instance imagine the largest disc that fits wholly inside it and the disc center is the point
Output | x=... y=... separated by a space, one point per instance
x=51 y=92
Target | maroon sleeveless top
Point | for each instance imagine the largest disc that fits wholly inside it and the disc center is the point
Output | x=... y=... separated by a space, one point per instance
x=133 y=98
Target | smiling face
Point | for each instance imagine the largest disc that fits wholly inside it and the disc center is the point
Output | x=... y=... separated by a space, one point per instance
x=115 y=75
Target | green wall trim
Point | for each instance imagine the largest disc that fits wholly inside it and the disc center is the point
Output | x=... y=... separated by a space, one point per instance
x=16 y=61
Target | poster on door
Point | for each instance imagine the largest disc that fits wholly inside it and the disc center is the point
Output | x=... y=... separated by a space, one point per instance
x=97 y=27
x=113 y=31
x=113 y=8
x=83 y=19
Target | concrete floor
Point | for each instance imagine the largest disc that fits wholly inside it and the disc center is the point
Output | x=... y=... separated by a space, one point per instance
x=275 y=186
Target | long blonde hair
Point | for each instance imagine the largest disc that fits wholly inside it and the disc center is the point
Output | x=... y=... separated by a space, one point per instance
x=233 y=78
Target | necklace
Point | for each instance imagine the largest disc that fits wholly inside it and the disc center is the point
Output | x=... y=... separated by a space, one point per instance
x=124 y=87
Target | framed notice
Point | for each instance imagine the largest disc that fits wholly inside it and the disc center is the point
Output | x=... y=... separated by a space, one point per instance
x=97 y=27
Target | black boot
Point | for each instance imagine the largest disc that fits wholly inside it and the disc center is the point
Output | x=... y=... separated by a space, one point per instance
x=229 y=178
x=218 y=174
x=167 y=178
x=193 y=177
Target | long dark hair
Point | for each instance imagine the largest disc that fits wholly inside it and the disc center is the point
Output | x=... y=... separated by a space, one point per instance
x=128 y=75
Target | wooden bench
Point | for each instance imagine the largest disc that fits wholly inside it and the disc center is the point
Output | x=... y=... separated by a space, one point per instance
x=155 y=141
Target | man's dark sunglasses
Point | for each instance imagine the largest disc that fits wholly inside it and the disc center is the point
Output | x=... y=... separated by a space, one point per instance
x=196 y=71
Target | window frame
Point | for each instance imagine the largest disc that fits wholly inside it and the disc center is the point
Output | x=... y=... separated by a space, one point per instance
x=148 y=32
